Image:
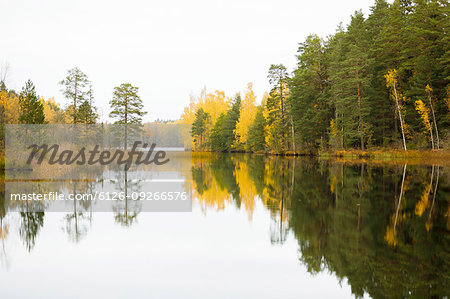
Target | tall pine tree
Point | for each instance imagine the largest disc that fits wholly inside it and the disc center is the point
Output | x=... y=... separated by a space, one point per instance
x=127 y=109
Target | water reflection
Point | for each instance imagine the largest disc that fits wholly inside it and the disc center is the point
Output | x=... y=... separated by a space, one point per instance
x=77 y=222
x=126 y=212
x=383 y=228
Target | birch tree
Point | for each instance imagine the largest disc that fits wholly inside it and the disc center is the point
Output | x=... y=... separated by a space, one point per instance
x=392 y=83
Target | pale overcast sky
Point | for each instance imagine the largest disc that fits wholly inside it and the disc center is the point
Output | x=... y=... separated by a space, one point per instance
x=169 y=49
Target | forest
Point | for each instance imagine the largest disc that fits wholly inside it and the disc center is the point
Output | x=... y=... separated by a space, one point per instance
x=381 y=82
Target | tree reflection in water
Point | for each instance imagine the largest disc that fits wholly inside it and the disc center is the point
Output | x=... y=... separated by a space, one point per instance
x=374 y=225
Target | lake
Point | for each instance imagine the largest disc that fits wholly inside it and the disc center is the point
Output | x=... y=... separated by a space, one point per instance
x=260 y=227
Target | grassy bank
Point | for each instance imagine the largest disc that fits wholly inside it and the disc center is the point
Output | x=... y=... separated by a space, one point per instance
x=431 y=157
x=427 y=157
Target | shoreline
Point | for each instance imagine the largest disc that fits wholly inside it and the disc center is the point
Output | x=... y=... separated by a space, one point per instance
x=431 y=157
x=425 y=157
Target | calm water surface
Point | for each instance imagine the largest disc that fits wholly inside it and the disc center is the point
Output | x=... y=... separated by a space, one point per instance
x=260 y=227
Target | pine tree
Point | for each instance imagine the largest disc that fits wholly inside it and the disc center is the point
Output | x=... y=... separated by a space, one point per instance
x=76 y=89
x=350 y=81
x=87 y=112
x=336 y=56
x=381 y=112
x=126 y=107
x=256 y=136
x=199 y=127
x=309 y=98
x=217 y=138
x=223 y=134
x=229 y=126
x=279 y=111
x=31 y=108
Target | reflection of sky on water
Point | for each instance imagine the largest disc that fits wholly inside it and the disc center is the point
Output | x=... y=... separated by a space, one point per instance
x=220 y=254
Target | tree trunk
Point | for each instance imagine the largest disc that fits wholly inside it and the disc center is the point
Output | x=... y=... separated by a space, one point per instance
x=126 y=124
x=400 y=116
x=282 y=114
x=431 y=134
x=335 y=142
x=75 y=104
x=126 y=194
x=435 y=123
x=293 y=134
x=361 y=133
x=383 y=123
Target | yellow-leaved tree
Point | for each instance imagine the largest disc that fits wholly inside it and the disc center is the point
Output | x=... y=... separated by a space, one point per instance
x=9 y=108
x=424 y=113
x=246 y=117
x=52 y=111
x=212 y=103
x=429 y=92
x=9 y=114
x=392 y=83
